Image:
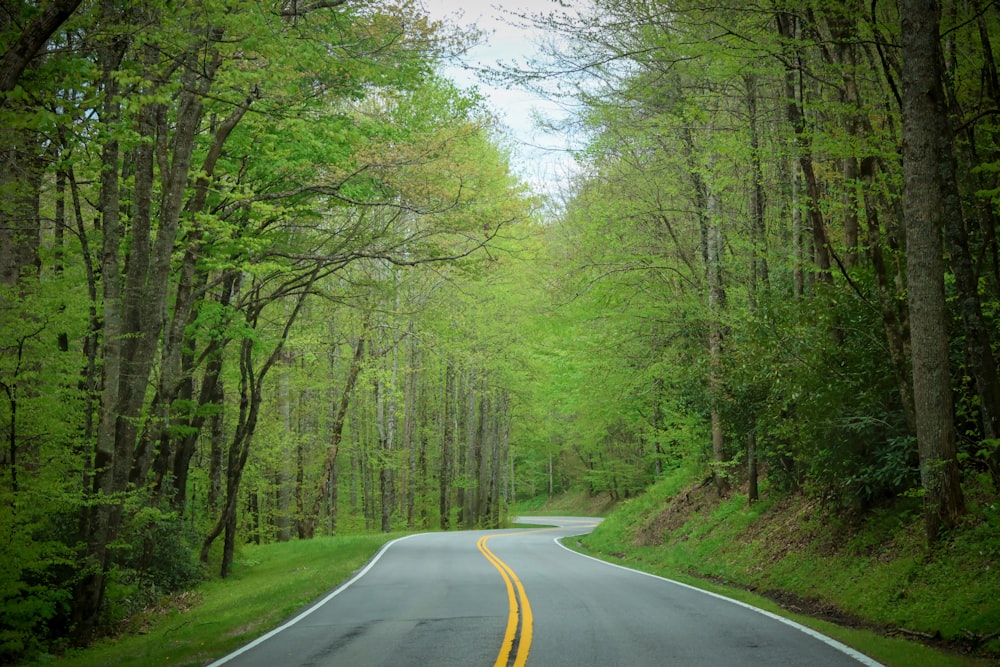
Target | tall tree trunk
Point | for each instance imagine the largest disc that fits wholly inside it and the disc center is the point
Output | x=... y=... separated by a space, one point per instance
x=551 y=477
x=927 y=154
x=386 y=419
x=470 y=504
x=101 y=525
x=759 y=272
x=716 y=307
x=292 y=439
x=448 y=428
x=798 y=245
x=217 y=437
x=978 y=343
x=251 y=394
x=307 y=523
x=788 y=29
x=21 y=174
x=484 y=435
x=895 y=319
x=177 y=364
x=758 y=261
x=239 y=450
x=409 y=443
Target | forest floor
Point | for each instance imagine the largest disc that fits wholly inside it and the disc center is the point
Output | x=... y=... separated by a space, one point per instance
x=867 y=579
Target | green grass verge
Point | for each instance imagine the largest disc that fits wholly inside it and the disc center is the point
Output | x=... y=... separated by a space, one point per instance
x=876 y=574
x=575 y=503
x=268 y=584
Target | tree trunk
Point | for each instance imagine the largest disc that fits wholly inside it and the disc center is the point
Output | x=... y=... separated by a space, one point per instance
x=551 y=477
x=239 y=449
x=788 y=29
x=484 y=436
x=387 y=408
x=251 y=394
x=716 y=307
x=759 y=272
x=927 y=154
x=101 y=525
x=31 y=39
x=470 y=504
x=21 y=173
x=448 y=428
x=895 y=319
x=307 y=523
x=978 y=343
x=216 y=446
x=798 y=246
x=409 y=443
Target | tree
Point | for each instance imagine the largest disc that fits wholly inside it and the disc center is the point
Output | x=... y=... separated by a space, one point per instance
x=928 y=162
x=177 y=194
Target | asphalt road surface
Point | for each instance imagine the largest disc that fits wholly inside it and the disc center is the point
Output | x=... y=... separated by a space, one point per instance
x=515 y=597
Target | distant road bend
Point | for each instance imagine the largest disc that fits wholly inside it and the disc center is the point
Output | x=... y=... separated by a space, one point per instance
x=512 y=597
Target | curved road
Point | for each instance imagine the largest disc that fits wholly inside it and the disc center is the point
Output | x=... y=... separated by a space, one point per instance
x=512 y=597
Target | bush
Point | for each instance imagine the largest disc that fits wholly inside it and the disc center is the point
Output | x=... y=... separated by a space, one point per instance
x=35 y=593
x=162 y=551
x=156 y=556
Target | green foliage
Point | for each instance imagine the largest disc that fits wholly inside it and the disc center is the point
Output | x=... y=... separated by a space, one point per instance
x=825 y=406
x=36 y=580
x=162 y=550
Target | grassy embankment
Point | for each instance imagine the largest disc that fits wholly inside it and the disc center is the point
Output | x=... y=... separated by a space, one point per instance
x=269 y=583
x=871 y=583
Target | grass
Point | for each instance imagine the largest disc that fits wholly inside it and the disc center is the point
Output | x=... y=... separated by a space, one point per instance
x=876 y=578
x=573 y=503
x=268 y=584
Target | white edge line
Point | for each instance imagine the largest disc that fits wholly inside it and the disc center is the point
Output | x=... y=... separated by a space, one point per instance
x=337 y=591
x=843 y=648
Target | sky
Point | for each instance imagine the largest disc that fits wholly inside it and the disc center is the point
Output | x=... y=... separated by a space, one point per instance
x=541 y=159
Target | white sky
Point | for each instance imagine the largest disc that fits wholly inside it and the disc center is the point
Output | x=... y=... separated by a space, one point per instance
x=541 y=159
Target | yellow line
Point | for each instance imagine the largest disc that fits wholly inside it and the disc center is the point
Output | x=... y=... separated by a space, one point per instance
x=511 y=580
x=527 y=622
x=508 y=638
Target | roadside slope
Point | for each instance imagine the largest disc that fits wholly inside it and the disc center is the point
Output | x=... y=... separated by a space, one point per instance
x=867 y=580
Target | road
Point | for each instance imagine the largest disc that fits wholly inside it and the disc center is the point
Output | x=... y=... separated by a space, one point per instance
x=516 y=597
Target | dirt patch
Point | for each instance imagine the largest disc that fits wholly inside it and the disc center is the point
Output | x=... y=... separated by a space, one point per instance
x=818 y=609
x=693 y=500
x=600 y=505
x=142 y=622
x=969 y=645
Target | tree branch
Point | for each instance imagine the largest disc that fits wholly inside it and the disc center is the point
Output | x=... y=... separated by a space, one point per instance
x=293 y=9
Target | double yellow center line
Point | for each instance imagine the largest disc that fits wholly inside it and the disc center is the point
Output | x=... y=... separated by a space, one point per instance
x=516 y=640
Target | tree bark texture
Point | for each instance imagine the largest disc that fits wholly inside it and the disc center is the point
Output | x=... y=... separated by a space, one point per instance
x=927 y=151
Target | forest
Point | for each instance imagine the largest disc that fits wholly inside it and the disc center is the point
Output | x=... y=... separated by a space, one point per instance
x=266 y=274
